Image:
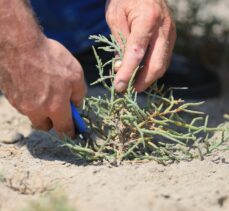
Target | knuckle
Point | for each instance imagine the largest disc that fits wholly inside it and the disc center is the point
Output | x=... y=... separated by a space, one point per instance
x=76 y=80
x=74 y=76
x=153 y=15
x=152 y=12
x=78 y=76
x=68 y=79
x=138 y=51
x=110 y=17
x=27 y=108
x=54 y=108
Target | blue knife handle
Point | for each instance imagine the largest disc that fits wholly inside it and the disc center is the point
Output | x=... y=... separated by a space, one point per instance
x=78 y=120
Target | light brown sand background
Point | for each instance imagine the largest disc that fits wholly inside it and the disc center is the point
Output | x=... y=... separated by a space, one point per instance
x=35 y=164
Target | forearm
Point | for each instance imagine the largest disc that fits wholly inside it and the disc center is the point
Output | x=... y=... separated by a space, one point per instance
x=18 y=28
x=19 y=35
x=38 y=76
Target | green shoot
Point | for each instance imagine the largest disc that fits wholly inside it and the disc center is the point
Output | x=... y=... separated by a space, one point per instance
x=124 y=129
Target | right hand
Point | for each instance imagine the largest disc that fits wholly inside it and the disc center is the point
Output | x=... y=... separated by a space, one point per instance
x=41 y=81
x=146 y=24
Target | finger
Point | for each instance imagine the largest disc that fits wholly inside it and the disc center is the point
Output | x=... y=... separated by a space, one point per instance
x=120 y=28
x=78 y=93
x=61 y=117
x=172 y=41
x=157 y=59
x=39 y=123
x=79 y=88
x=118 y=23
x=136 y=47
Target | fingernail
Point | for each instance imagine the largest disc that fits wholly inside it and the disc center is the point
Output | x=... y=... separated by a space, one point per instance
x=118 y=64
x=120 y=86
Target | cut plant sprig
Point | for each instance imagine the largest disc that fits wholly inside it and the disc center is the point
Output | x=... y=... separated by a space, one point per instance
x=124 y=129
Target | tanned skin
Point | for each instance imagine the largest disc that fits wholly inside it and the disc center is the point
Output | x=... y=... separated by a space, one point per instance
x=40 y=77
x=150 y=33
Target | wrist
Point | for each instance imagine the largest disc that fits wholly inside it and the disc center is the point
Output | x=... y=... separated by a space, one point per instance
x=18 y=27
x=17 y=61
x=19 y=31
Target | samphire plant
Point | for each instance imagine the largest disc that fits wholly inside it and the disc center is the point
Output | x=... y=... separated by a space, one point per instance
x=124 y=129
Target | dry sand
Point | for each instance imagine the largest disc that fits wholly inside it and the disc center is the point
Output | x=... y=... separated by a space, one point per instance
x=34 y=164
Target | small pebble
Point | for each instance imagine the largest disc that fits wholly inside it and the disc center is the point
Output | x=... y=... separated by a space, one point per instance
x=10 y=137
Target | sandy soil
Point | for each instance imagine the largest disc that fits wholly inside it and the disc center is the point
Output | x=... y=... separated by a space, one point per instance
x=35 y=164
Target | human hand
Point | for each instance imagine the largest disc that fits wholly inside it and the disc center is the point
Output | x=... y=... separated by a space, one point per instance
x=41 y=81
x=146 y=24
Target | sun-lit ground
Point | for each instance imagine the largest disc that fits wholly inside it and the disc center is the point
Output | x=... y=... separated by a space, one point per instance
x=33 y=167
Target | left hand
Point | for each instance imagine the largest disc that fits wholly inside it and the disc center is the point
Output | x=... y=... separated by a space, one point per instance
x=146 y=24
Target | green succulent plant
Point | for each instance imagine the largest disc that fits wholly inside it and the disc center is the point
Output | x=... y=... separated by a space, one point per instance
x=124 y=129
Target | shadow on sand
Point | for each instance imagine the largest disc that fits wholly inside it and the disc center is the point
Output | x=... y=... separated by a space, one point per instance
x=42 y=146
